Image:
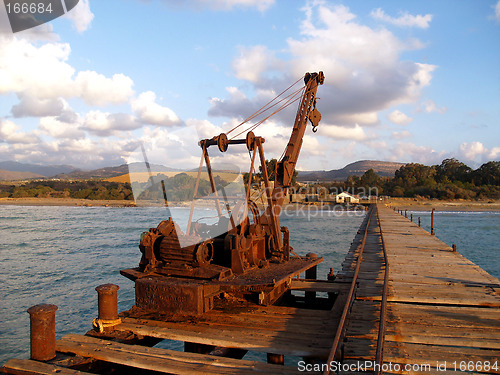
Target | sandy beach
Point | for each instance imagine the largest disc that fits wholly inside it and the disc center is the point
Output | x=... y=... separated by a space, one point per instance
x=412 y=204
x=64 y=202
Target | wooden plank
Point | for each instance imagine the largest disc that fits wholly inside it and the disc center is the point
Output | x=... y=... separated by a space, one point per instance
x=274 y=342
x=453 y=316
x=29 y=367
x=164 y=360
x=441 y=305
x=318 y=286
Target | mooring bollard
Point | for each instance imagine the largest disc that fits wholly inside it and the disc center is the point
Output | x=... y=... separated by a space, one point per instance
x=432 y=222
x=43 y=332
x=107 y=301
x=331 y=277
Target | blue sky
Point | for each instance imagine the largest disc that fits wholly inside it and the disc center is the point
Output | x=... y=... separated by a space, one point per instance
x=412 y=81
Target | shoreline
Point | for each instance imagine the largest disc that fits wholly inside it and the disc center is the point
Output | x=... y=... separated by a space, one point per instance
x=410 y=204
x=413 y=204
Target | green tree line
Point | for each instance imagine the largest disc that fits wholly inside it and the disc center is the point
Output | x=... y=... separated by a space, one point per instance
x=451 y=179
x=85 y=189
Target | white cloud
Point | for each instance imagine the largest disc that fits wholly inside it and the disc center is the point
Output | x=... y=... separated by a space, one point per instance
x=40 y=72
x=364 y=73
x=59 y=129
x=476 y=152
x=405 y=19
x=32 y=106
x=410 y=152
x=497 y=11
x=399 y=118
x=10 y=133
x=106 y=124
x=253 y=62
x=81 y=16
x=43 y=72
x=150 y=112
x=494 y=153
x=401 y=135
x=472 y=150
x=96 y=89
x=343 y=133
x=429 y=106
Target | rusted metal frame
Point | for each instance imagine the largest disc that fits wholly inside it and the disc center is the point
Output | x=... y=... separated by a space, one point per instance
x=379 y=354
x=350 y=299
x=211 y=178
x=194 y=196
x=228 y=207
x=275 y=228
x=250 y=175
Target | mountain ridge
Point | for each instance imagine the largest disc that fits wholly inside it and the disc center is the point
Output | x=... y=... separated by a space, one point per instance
x=358 y=168
x=20 y=171
x=38 y=169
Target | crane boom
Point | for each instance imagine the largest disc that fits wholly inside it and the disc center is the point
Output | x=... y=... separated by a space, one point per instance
x=286 y=166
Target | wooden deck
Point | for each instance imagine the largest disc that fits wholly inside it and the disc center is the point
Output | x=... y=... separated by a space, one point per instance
x=440 y=306
x=442 y=313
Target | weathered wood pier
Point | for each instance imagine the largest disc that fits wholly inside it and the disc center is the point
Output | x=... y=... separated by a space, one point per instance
x=404 y=302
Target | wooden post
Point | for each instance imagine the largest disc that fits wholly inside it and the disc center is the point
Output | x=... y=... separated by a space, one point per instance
x=419 y=221
x=276 y=359
x=411 y=218
x=311 y=274
x=432 y=222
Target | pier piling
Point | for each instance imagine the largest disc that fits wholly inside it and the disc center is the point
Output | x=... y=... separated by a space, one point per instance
x=432 y=221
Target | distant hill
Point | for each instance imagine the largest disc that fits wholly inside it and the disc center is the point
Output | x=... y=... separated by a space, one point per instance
x=16 y=176
x=109 y=172
x=382 y=168
x=39 y=170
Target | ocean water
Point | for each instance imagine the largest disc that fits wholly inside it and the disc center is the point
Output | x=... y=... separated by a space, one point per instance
x=59 y=255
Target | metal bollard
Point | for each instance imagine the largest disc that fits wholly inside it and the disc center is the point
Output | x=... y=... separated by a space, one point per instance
x=43 y=332
x=107 y=301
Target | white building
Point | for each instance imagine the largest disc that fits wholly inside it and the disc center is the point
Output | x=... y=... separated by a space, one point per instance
x=346 y=198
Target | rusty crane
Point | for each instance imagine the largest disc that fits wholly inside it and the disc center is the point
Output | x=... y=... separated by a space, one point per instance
x=247 y=254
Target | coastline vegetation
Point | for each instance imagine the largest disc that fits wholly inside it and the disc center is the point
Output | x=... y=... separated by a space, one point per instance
x=450 y=180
